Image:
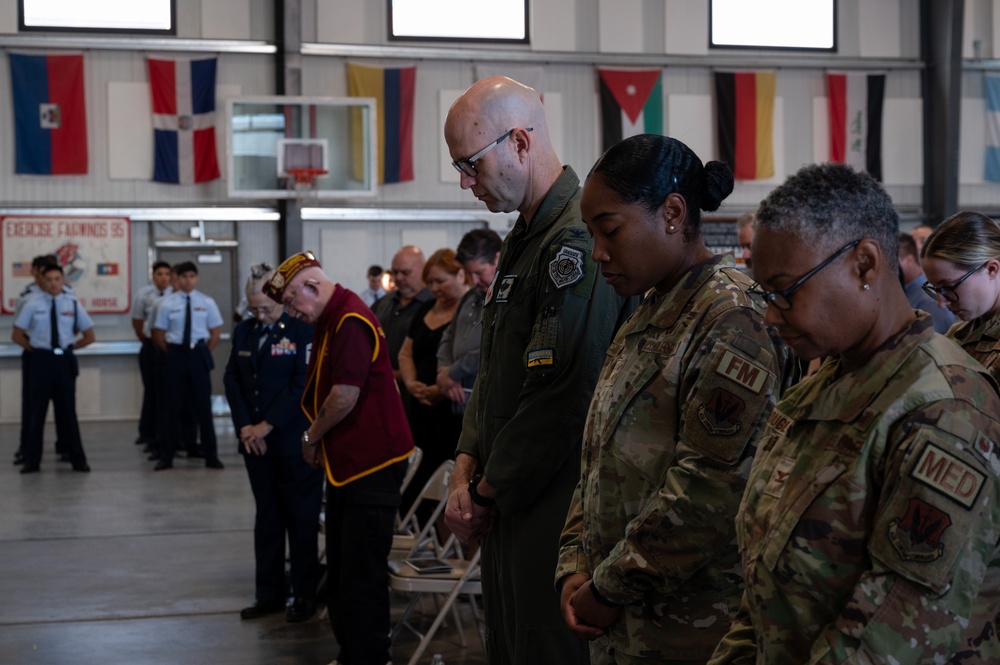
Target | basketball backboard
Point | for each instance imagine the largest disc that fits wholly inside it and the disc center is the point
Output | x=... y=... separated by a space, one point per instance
x=287 y=147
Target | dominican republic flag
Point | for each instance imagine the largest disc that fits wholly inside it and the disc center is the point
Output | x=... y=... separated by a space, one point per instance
x=631 y=103
x=393 y=89
x=856 y=100
x=745 y=122
x=184 y=120
x=50 y=114
x=992 y=85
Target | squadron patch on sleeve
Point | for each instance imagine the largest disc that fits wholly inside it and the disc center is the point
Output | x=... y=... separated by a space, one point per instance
x=918 y=533
x=721 y=413
x=567 y=268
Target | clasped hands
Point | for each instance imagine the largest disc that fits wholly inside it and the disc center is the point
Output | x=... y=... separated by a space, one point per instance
x=586 y=617
x=449 y=387
x=468 y=520
x=252 y=437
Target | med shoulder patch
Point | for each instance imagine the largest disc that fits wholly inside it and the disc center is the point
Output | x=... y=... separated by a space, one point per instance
x=948 y=475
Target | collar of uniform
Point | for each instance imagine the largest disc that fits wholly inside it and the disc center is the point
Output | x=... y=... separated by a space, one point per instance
x=844 y=396
x=983 y=327
x=564 y=191
x=687 y=288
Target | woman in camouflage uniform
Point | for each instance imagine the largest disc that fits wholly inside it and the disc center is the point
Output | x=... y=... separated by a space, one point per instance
x=871 y=516
x=648 y=563
x=962 y=257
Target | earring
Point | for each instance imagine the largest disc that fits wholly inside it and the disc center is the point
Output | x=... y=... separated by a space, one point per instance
x=865 y=287
x=672 y=228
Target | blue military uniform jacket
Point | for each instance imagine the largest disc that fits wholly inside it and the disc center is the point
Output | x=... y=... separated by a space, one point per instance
x=265 y=382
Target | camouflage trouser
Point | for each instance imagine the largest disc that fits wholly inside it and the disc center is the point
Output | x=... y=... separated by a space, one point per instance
x=601 y=653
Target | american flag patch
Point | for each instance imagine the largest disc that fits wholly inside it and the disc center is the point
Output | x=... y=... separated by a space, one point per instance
x=21 y=269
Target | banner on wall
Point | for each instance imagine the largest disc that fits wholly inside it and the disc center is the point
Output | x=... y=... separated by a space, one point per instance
x=856 y=100
x=393 y=89
x=94 y=252
x=631 y=103
x=745 y=122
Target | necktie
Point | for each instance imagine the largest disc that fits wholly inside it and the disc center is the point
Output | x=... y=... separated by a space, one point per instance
x=54 y=323
x=186 y=341
x=264 y=333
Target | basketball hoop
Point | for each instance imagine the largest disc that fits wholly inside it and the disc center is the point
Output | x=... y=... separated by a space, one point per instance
x=303 y=178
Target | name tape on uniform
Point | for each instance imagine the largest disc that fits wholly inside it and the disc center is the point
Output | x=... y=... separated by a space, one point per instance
x=748 y=374
x=948 y=475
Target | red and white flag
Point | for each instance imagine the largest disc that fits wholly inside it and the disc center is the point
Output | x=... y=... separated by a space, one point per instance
x=184 y=120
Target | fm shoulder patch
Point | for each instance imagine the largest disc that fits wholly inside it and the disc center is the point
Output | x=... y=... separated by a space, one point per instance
x=566 y=268
x=748 y=374
x=948 y=475
x=918 y=533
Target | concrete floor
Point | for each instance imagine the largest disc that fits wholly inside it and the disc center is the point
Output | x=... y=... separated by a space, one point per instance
x=124 y=565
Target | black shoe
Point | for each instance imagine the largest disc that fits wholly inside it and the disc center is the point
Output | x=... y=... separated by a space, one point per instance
x=259 y=609
x=18 y=458
x=214 y=463
x=163 y=464
x=153 y=456
x=141 y=440
x=82 y=466
x=30 y=468
x=195 y=454
x=300 y=610
x=64 y=457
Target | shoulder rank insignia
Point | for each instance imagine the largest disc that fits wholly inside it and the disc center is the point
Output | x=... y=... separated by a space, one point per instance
x=567 y=268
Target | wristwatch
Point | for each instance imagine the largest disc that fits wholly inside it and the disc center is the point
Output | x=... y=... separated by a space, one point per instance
x=305 y=439
x=474 y=494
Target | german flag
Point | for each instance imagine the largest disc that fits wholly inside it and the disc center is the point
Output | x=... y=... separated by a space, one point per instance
x=745 y=122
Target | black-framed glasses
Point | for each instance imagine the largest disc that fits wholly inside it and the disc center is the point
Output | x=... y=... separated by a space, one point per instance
x=468 y=166
x=783 y=299
x=948 y=291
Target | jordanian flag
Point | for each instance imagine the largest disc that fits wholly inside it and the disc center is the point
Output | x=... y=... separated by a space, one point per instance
x=631 y=103
x=745 y=122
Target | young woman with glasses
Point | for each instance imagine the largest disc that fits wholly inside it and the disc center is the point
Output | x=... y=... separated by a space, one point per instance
x=872 y=509
x=961 y=260
x=648 y=567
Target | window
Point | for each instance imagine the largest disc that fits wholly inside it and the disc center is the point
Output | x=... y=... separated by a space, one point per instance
x=459 y=20
x=152 y=16
x=774 y=24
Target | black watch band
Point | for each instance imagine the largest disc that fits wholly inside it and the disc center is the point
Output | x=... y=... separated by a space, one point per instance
x=599 y=597
x=474 y=494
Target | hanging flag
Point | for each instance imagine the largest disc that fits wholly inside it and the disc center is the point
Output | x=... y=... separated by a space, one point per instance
x=631 y=103
x=393 y=90
x=745 y=122
x=184 y=120
x=992 y=128
x=50 y=114
x=855 y=100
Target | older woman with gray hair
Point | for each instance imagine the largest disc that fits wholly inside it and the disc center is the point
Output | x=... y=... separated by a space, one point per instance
x=872 y=510
x=264 y=381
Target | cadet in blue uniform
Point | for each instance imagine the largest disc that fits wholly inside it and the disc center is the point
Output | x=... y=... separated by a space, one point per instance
x=46 y=327
x=142 y=307
x=187 y=328
x=265 y=378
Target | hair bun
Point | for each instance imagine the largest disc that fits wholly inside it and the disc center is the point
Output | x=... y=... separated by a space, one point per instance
x=718 y=185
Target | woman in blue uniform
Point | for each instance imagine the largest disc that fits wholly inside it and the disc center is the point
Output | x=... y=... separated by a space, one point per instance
x=264 y=379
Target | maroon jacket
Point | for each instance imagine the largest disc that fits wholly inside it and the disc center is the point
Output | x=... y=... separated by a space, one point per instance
x=375 y=434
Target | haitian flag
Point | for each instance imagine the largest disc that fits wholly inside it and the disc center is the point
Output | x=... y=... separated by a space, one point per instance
x=855 y=100
x=50 y=114
x=393 y=90
x=184 y=120
x=745 y=122
x=631 y=103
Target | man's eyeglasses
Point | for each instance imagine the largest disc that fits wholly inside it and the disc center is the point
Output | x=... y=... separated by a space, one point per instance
x=948 y=291
x=468 y=166
x=783 y=299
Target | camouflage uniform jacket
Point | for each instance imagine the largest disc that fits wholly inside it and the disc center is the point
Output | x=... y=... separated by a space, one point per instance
x=871 y=517
x=981 y=339
x=548 y=319
x=681 y=403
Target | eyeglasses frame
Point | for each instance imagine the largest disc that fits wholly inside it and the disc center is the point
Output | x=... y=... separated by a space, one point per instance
x=471 y=161
x=771 y=297
x=944 y=290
